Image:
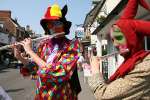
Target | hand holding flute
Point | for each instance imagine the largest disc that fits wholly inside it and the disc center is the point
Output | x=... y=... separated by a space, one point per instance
x=95 y=64
x=95 y=60
x=36 y=39
x=27 y=45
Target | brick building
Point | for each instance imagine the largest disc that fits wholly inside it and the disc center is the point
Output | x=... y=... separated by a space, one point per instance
x=10 y=31
x=11 y=26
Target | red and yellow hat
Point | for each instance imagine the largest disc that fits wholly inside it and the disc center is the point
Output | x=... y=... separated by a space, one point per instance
x=56 y=13
x=53 y=13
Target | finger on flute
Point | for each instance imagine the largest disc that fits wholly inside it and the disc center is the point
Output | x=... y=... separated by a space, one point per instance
x=36 y=39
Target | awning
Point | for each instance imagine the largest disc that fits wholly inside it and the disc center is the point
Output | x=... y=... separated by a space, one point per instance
x=85 y=42
x=113 y=14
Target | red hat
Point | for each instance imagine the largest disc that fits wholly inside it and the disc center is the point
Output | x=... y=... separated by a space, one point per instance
x=131 y=8
x=132 y=27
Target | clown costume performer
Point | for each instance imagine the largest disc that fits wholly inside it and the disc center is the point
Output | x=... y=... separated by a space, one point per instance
x=131 y=81
x=54 y=64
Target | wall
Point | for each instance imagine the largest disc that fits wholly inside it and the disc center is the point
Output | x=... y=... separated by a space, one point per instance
x=111 y=4
x=8 y=24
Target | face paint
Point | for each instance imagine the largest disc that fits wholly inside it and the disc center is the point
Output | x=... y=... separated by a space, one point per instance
x=119 y=40
x=118 y=36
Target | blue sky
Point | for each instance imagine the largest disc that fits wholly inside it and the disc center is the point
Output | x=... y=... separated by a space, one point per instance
x=29 y=12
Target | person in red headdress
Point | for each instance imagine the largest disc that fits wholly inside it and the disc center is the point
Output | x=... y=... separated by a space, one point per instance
x=54 y=64
x=131 y=79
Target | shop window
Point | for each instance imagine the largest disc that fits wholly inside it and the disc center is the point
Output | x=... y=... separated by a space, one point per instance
x=147 y=43
x=104 y=50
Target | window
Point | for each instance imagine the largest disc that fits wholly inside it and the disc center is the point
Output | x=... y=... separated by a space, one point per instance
x=147 y=43
x=1 y=25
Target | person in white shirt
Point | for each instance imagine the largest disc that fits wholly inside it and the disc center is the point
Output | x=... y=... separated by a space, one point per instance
x=79 y=62
x=86 y=70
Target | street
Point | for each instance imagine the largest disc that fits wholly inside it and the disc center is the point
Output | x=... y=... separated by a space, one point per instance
x=20 y=88
x=15 y=85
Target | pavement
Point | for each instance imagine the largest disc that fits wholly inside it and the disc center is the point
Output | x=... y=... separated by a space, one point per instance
x=20 y=88
x=86 y=93
x=17 y=87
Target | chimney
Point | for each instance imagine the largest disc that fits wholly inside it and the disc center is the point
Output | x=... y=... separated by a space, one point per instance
x=27 y=28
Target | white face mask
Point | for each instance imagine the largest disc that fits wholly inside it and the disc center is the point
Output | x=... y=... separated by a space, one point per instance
x=51 y=31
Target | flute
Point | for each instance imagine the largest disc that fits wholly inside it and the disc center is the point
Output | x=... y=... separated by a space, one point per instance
x=110 y=55
x=33 y=40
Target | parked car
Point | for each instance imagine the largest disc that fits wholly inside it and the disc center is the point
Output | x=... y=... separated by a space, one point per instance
x=6 y=56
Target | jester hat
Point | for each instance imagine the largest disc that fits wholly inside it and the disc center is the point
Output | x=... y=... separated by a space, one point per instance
x=134 y=31
x=55 y=13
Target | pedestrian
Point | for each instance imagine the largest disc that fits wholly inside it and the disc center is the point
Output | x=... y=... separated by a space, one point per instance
x=55 y=63
x=131 y=80
x=80 y=61
x=86 y=70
